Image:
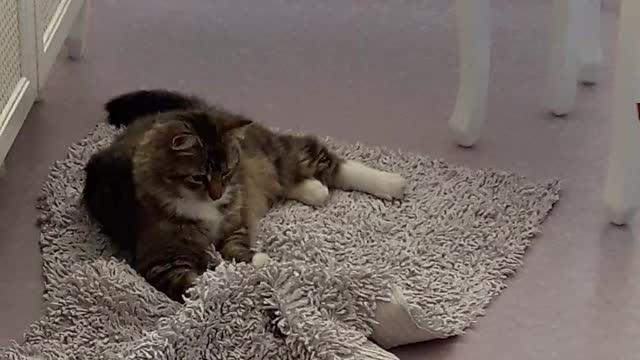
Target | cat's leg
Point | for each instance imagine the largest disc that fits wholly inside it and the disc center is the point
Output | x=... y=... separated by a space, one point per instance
x=237 y=246
x=354 y=175
x=321 y=168
x=172 y=280
x=172 y=270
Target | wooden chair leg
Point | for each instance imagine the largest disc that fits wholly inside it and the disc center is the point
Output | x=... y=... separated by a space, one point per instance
x=622 y=188
x=474 y=43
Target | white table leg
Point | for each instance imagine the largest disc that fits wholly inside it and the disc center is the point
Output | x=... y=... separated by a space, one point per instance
x=564 y=59
x=76 y=41
x=590 y=51
x=622 y=189
x=474 y=54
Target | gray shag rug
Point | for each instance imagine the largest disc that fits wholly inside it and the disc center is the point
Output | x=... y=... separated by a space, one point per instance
x=445 y=251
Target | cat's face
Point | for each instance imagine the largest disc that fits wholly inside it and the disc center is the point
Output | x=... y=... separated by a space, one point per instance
x=201 y=171
x=195 y=157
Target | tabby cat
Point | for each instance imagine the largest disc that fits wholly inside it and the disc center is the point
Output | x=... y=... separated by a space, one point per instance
x=184 y=175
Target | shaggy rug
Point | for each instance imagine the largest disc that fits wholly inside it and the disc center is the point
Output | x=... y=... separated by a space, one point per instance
x=439 y=256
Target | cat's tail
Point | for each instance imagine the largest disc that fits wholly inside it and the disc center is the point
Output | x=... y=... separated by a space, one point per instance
x=128 y=107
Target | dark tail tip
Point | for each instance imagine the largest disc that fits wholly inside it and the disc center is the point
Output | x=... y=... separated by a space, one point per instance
x=126 y=108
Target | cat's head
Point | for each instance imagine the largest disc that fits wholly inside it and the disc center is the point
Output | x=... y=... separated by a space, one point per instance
x=189 y=155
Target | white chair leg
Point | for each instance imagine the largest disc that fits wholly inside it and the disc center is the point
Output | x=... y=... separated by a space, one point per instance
x=622 y=188
x=590 y=51
x=474 y=54
x=76 y=41
x=564 y=59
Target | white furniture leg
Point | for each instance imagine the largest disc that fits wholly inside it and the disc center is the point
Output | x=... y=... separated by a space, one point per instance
x=474 y=54
x=76 y=41
x=564 y=58
x=622 y=188
x=590 y=50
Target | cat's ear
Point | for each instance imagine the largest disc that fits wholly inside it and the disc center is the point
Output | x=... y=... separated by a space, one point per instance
x=183 y=142
x=232 y=124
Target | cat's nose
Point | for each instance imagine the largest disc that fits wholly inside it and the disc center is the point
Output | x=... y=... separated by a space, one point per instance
x=215 y=189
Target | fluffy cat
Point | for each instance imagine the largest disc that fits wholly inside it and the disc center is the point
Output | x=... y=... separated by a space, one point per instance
x=184 y=175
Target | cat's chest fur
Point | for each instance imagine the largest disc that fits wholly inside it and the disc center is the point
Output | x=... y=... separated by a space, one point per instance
x=206 y=212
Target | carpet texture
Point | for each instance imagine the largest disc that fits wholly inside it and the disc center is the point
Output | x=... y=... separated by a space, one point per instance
x=446 y=249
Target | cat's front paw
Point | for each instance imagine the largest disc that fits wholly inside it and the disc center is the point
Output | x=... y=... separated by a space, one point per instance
x=260 y=259
x=390 y=186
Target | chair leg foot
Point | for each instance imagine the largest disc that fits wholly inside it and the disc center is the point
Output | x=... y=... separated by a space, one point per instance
x=77 y=40
x=622 y=186
x=564 y=59
x=590 y=47
x=474 y=43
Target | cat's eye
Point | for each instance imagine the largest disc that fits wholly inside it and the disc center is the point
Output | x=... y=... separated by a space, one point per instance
x=200 y=179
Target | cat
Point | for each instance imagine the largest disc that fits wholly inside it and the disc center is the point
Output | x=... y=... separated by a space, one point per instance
x=184 y=175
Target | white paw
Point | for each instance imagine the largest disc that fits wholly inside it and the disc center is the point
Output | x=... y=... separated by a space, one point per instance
x=260 y=259
x=390 y=186
x=311 y=192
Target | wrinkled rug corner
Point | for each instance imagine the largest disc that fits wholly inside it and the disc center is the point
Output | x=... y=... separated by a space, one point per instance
x=340 y=275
